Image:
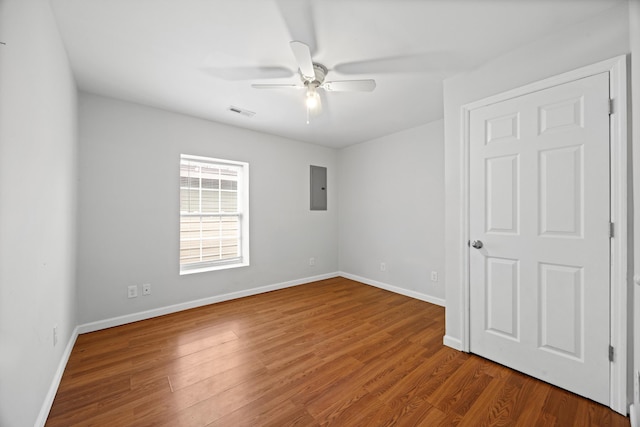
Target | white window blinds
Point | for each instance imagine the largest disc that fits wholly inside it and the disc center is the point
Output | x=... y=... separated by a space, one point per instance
x=213 y=213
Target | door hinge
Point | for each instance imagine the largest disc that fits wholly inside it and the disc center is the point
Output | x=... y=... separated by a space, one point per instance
x=611 y=230
x=610 y=106
x=610 y=353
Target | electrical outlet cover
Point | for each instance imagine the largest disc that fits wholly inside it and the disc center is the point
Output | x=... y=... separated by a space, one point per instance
x=132 y=291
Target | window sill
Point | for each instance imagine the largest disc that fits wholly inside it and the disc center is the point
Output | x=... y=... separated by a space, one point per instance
x=213 y=268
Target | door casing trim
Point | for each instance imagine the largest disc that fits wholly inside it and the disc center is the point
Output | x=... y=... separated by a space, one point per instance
x=618 y=146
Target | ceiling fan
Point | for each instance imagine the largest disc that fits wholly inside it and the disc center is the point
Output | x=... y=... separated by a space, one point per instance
x=312 y=75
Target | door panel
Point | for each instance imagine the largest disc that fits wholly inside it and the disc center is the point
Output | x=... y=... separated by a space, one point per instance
x=503 y=284
x=502 y=194
x=561 y=309
x=561 y=207
x=539 y=202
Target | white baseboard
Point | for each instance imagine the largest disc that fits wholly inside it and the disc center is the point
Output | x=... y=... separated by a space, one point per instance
x=395 y=289
x=454 y=343
x=634 y=414
x=161 y=311
x=53 y=388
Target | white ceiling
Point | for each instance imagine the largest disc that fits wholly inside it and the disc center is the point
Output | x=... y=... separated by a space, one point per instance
x=199 y=57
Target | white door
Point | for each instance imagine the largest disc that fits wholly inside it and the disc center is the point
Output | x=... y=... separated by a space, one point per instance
x=539 y=203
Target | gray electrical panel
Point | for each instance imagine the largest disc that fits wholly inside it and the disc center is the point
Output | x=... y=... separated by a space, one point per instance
x=318 y=188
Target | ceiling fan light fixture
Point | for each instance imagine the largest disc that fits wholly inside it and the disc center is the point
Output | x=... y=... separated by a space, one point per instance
x=313 y=98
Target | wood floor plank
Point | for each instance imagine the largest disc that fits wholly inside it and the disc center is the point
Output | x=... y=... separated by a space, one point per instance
x=414 y=389
x=495 y=406
x=421 y=415
x=266 y=414
x=461 y=393
x=332 y=352
x=405 y=362
x=528 y=406
x=562 y=405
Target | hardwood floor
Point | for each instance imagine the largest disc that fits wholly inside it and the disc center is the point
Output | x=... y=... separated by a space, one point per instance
x=334 y=352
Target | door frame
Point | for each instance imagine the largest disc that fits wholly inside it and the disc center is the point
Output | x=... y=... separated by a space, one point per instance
x=618 y=146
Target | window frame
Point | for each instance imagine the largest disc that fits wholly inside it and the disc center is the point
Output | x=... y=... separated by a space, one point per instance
x=242 y=213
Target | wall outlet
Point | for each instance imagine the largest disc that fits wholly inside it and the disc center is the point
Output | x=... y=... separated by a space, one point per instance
x=55 y=335
x=434 y=276
x=383 y=266
x=312 y=261
x=132 y=291
x=146 y=289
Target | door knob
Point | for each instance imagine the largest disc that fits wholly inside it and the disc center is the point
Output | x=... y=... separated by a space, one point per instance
x=477 y=244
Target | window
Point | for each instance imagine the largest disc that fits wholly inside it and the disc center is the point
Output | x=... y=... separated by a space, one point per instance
x=214 y=214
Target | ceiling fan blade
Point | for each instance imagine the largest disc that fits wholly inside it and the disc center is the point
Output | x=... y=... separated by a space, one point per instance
x=350 y=86
x=302 y=53
x=276 y=86
x=298 y=16
x=429 y=62
x=248 y=73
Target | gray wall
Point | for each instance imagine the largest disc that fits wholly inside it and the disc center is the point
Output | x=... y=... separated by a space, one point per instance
x=128 y=206
x=392 y=210
x=37 y=207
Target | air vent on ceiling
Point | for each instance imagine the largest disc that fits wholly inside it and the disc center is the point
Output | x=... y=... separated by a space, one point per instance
x=242 y=111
